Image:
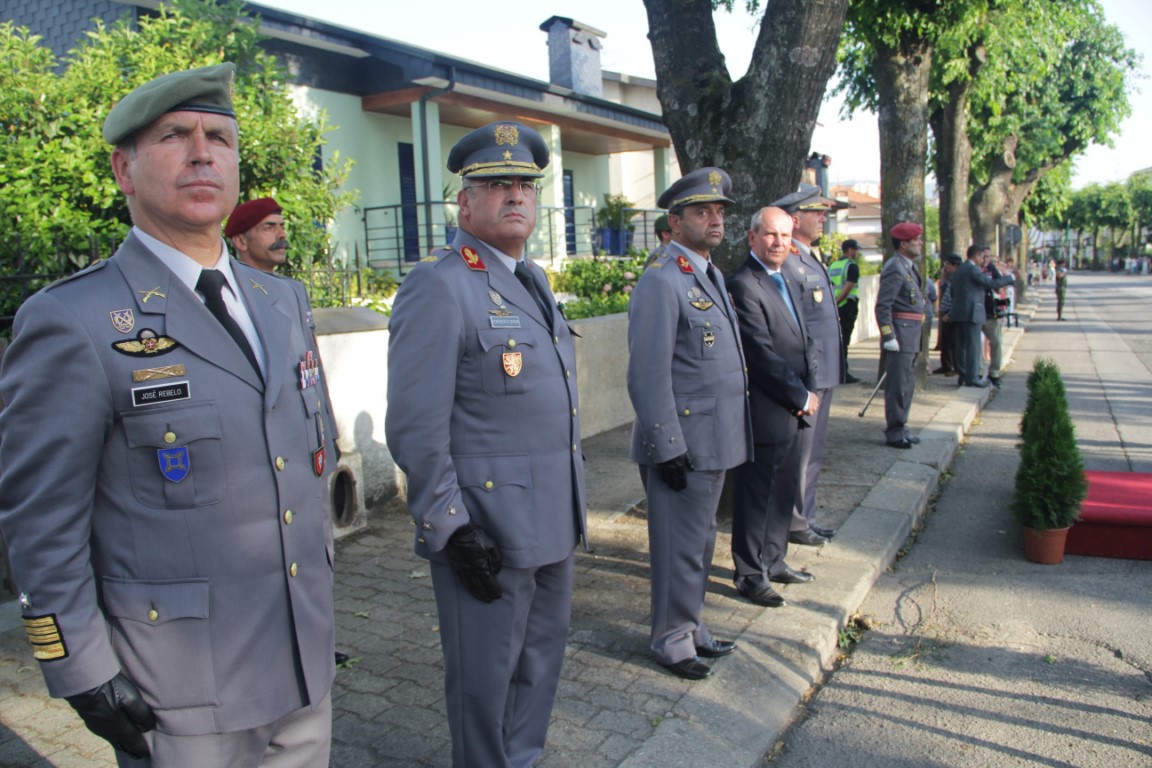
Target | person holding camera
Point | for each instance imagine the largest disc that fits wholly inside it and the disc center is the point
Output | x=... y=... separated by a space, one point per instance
x=994 y=308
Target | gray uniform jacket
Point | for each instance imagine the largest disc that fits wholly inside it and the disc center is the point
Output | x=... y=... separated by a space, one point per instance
x=161 y=504
x=900 y=294
x=781 y=369
x=968 y=286
x=686 y=372
x=818 y=305
x=482 y=408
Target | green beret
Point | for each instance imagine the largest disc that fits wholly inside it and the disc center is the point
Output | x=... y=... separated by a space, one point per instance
x=206 y=89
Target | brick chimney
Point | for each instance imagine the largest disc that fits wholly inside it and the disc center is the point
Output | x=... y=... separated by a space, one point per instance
x=574 y=55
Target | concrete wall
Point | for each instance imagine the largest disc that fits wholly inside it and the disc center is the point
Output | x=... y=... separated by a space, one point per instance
x=354 y=346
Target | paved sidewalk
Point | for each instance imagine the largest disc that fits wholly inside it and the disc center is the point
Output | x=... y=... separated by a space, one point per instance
x=615 y=706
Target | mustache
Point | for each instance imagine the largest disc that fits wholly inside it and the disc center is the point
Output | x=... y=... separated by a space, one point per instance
x=279 y=245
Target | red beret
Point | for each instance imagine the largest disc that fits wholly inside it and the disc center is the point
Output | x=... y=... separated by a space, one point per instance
x=249 y=214
x=905 y=230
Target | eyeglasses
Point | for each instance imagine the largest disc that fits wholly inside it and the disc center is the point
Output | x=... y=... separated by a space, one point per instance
x=527 y=188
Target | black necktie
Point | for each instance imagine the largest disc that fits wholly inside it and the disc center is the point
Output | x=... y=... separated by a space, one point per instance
x=714 y=276
x=210 y=284
x=525 y=278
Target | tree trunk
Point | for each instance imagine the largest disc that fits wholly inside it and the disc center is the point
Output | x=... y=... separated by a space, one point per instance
x=953 y=151
x=999 y=201
x=758 y=128
x=902 y=87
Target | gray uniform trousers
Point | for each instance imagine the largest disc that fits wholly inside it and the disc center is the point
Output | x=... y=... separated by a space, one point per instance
x=898 y=390
x=823 y=322
x=298 y=740
x=494 y=724
x=681 y=540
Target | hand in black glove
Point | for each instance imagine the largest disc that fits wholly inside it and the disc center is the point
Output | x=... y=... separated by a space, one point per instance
x=117 y=713
x=476 y=559
x=674 y=472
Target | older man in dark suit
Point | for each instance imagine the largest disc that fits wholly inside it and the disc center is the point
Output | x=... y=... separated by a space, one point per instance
x=483 y=419
x=782 y=384
x=164 y=493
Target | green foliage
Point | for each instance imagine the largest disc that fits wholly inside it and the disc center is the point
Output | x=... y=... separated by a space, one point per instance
x=1050 y=482
x=614 y=213
x=56 y=185
x=600 y=287
x=1050 y=198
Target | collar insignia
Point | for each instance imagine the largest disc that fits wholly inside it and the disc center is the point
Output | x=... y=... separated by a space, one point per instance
x=145 y=295
x=684 y=264
x=472 y=259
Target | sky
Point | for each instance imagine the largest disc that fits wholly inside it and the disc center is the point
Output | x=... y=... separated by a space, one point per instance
x=506 y=35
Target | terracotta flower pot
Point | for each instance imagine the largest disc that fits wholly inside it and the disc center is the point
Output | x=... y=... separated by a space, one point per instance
x=1045 y=546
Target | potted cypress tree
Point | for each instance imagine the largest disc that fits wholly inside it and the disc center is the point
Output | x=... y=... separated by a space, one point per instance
x=1050 y=482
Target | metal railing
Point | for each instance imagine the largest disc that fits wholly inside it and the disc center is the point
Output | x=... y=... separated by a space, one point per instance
x=23 y=270
x=398 y=236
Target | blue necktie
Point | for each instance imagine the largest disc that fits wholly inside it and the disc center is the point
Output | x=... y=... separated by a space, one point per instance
x=779 y=280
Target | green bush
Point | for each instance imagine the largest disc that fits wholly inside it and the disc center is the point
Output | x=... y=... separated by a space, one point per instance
x=600 y=287
x=1050 y=482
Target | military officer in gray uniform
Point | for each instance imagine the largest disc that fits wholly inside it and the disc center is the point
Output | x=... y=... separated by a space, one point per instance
x=818 y=303
x=689 y=388
x=164 y=489
x=483 y=418
x=900 y=308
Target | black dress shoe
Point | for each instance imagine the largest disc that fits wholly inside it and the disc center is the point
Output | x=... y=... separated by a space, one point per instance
x=825 y=532
x=765 y=596
x=978 y=384
x=716 y=649
x=689 y=669
x=904 y=444
x=850 y=379
x=808 y=538
x=995 y=381
x=792 y=576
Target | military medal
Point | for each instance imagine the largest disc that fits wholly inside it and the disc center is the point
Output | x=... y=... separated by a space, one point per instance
x=709 y=338
x=309 y=371
x=698 y=299
x=319 y=456
x=818 y=295
x=146 y=343
x=513 y=363
x=497 y=299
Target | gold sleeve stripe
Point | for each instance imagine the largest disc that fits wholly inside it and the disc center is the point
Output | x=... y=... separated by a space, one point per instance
x=44 y=636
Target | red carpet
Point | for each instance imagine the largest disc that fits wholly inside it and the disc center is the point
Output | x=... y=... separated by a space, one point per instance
x=1116 y=518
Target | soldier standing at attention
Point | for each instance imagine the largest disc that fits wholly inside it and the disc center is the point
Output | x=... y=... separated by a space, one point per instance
x=483 y=419
x=900 y=308
x=689 y=388
x=174 y=557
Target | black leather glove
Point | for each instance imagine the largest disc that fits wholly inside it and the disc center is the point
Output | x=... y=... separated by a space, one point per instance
x=117 y=713
x=476 y=559
x=674 y=472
